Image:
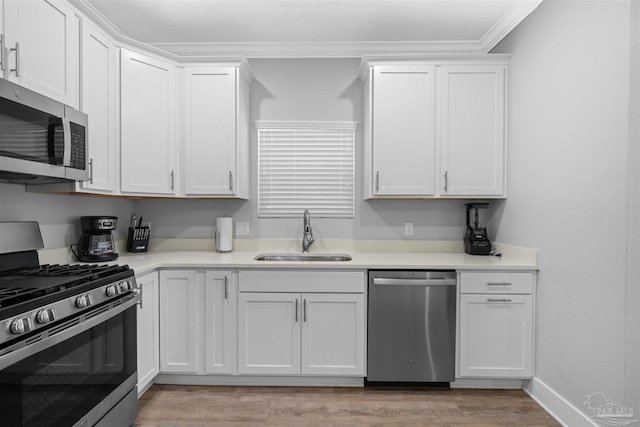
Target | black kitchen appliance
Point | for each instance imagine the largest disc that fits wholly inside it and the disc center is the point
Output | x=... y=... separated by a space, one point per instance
x=68 y=353
x=96 y=243
x=476 y=241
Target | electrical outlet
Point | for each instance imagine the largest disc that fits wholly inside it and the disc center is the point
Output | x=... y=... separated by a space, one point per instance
x=242 y=228
x=408 y=229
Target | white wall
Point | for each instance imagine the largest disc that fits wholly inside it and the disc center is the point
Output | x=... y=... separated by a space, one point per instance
x=59 y=215
x=308 y=89
x=573 y=192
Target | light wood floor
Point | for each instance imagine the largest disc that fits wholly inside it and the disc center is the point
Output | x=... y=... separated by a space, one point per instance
x=191 y=406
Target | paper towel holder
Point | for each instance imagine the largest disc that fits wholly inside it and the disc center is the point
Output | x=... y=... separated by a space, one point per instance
x=218 y=243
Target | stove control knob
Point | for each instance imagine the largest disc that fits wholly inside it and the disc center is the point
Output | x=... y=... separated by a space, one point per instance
x=83 y=301
x=125 y=286
x=111 y=291
x=45 y=316
x=20 y=326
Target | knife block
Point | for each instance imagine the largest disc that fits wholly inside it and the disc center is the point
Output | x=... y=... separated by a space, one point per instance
x=138 y=239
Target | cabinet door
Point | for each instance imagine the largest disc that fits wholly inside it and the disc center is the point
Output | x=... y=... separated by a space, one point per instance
x=472 y=130
x=46 y=35
x=148 y=331
x=496 y=336
x=179 y=321
x=210 y=130
x=148 y=116
x=218 y=322
x=269 y=333
x=403 y=131
x=98 y=100
x=333 y=334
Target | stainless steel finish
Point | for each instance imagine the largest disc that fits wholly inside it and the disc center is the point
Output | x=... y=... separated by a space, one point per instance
x=304 y=310
x=90 y=171
x=17 y=51
x=296 y=317
x=173 y=180
x=230 y=182
x=45 y=316
x=307 y=238
x=498 y=300
x=499 y=284
x=124 y=412
x=119 y=411
x=377 y=181
x=446 y=181
x=226 y=287
x=411 y=326
x=68 y=307
x=138 y=291
x=304 y=257
x=20 y=236
x=2 y=53
x=37 y=343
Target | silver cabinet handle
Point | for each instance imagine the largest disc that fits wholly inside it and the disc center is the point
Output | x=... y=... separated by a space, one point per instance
x=377 y=181
x=296 y=310
x=226 y=287
x=498 y=300
x=90 y=171
x=2 y=53
x=141 y=297
x=173 y=180
x=230 y=181
x=499 y=284
x=304 y=310
x=446 y=181
x=17 y=51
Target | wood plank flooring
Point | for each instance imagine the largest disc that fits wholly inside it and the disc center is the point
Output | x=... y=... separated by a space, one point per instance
x=195 y=406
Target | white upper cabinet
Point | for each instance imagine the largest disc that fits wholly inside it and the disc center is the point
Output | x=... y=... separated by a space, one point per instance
x=215 y=164
x=148 y=125
x=435 y=130
x=41 y=40
x=403 y=131
x=472 y=130
x=98 y=99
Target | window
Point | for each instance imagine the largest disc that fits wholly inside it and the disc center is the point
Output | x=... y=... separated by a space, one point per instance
x=306 y=165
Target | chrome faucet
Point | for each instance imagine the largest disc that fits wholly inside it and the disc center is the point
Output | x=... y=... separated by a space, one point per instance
x=307 y=238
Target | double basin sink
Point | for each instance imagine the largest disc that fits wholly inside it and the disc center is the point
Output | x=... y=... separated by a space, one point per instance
x=303 y=257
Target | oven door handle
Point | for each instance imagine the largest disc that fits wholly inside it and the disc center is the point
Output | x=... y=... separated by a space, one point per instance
x=21 y=350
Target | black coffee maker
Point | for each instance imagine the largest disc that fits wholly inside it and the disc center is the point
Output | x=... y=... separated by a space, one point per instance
x=476 y=241
x=96 y=243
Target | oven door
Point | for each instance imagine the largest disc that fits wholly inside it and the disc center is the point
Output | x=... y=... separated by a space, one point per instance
x=75 y=373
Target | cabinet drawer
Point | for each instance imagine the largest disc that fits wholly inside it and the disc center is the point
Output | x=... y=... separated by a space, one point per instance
x=492 y=282
x=301 y=281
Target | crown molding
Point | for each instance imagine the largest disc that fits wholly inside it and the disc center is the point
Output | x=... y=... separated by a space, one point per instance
x=514 y=16
x=235 y=51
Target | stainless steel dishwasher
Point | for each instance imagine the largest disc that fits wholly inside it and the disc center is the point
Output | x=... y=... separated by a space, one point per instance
x=411 y=326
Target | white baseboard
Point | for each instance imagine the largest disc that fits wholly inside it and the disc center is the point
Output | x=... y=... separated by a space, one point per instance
x=557 y=406
x=258 y=380
x=487 y=383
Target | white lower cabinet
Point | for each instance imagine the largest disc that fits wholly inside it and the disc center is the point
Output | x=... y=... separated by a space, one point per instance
x=148 y=331
x=196 y=321
x=495 y=328
x=179 y=321
x=301 y=333
x=219 y=297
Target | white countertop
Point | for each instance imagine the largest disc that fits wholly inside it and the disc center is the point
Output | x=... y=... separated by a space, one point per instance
x=244 y=259
x=199 y=254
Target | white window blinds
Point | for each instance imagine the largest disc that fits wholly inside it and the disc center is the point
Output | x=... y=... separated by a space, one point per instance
x=306 y=165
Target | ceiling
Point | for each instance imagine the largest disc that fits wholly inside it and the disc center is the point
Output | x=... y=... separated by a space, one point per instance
x=312 y=28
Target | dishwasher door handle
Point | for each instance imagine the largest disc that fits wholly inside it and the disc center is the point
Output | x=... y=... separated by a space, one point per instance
x=413 y=282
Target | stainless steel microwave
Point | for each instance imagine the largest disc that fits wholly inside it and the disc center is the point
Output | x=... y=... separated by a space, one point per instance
x=41 y=140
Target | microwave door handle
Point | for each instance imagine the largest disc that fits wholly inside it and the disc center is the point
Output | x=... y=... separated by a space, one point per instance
x=66 y=130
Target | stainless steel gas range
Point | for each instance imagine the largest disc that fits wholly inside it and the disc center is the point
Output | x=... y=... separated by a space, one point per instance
x=67 y=338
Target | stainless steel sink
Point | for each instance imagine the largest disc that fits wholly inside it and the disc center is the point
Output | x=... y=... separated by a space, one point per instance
x=303 y=257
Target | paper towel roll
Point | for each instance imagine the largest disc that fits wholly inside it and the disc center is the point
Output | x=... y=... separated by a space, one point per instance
x=224 y=234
